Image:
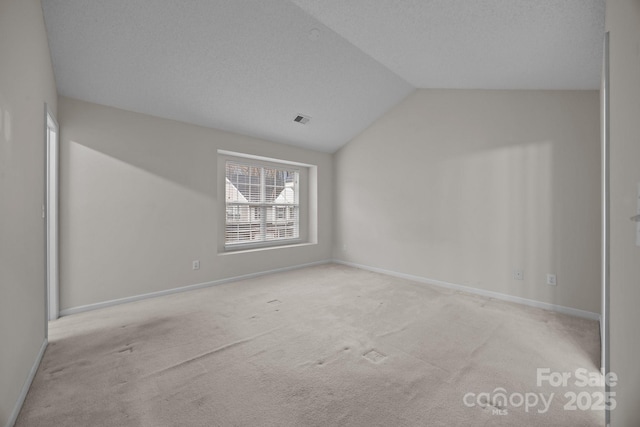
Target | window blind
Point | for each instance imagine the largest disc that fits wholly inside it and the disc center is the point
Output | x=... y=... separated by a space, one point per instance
x=262 y=204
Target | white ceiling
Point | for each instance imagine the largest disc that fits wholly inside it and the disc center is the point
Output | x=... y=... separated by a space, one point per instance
x=251 y=66
x=477 y=44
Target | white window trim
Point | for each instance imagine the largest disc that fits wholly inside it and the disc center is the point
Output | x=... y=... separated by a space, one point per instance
x=304 y=205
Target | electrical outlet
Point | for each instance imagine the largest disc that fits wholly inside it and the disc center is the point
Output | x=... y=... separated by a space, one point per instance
x=518 y=275
x=196 y=264
x=551 y=280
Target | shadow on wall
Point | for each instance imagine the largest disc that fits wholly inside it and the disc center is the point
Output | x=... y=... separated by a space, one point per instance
x=123 y=226
x=137 y=203
x=467 y=186
x=499 y=212
x=514 y=207
x=95 y=180
x=179 y=153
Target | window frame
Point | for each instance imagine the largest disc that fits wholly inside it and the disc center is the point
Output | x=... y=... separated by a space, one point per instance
x=303 y=200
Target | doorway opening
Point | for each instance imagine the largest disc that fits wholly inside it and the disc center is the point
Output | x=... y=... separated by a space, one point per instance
x=51 y=215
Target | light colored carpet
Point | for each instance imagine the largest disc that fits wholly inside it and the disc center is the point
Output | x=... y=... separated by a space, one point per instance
x=321 y=346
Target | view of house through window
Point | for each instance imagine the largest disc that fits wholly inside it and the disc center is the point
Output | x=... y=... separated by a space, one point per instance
x=262 y=204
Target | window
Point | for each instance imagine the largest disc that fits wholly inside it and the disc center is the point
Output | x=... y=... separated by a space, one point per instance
x=262 y=204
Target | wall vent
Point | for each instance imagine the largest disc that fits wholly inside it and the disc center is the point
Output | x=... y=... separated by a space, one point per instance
x=302 y=119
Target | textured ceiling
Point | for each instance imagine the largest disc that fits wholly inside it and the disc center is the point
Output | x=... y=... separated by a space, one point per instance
x=251 y=66
x=479 y=44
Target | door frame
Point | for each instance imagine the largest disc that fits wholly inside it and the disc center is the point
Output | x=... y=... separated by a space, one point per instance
x=604 y=323
x=604 y=319
x=50 y=213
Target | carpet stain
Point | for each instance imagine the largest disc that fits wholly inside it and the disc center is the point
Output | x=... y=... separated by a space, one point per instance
x=127 y=349
x=374 y=356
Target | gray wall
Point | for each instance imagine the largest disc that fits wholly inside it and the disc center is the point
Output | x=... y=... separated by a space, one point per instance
x=623 y=23
x=464 y=186
x=139 y=202
x=26 y=83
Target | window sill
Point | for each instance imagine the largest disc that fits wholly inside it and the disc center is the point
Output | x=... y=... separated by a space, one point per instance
x=267 y=248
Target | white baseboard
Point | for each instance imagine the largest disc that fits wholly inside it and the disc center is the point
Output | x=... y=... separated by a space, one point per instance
x=95 y=306
x=27 y=384
x=491 y=294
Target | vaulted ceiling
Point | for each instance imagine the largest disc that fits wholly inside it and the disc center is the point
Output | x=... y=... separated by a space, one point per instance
x=252 y=66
